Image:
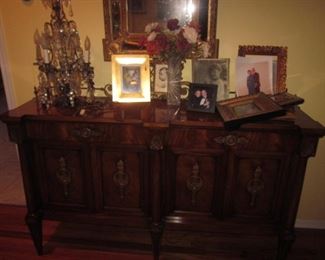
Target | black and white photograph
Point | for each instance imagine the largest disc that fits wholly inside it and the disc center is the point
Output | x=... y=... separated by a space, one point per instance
x=202 y=97
x=212 y=71
x=131 y=79
x=254 y=74
x=161 y=78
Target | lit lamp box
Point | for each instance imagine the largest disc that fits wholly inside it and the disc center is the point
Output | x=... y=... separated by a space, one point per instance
x=130 y=78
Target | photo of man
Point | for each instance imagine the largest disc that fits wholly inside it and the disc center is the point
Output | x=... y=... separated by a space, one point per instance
x=254 y=75
x=202 y=97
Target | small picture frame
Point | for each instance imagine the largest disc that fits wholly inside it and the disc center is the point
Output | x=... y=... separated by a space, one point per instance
x=212 y=71
x=202 y=97
x=161 y=78
x=130 y=78
x=249 y=108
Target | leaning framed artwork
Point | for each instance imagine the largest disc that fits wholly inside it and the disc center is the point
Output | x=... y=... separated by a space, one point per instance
x=202 y=97
x=248 y=109
x=130 y=78
x=212 y=71
x=279 y=65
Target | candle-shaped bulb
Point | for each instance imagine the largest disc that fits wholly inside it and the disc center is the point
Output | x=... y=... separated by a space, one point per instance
x=37 y=37
x=87 y=50
x=87 y=43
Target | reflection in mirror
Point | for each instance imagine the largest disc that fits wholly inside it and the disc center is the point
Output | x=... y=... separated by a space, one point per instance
x=125 y=21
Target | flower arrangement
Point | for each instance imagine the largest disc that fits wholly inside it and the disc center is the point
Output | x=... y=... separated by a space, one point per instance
x=170 y=39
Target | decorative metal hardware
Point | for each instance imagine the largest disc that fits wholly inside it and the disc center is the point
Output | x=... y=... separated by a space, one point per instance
x=156 y=143
x=64 y=176
x=121 y=178
x=231 y=140
x=255 y=185
x=194 y=182
x=86 y=133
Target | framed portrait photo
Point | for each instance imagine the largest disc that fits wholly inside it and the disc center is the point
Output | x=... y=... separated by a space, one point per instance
x=202 y=97
x=130 y=78
x=278 y=55
x=248 y=109
x=161 y=78
x=212 y=71
x=254 y=74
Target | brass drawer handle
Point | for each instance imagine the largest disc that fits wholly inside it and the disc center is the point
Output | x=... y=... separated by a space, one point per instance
x=231 y=140
x=86 y=133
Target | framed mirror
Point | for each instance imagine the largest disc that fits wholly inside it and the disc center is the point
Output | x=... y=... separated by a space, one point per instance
x=125 y=21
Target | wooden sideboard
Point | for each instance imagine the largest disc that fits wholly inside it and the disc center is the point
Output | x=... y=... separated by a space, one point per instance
x=177 y=175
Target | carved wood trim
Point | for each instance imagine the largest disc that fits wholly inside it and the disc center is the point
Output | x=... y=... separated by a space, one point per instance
x=231 y=140
x=194 y=183
x=86 y=133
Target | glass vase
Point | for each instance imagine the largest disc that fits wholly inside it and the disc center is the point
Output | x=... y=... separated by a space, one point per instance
x=175 y=67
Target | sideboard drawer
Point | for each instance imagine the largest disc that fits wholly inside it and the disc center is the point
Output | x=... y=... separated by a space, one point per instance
x=86 y=132
x=200 y=138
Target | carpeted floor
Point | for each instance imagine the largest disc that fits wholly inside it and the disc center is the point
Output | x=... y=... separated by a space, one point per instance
x=11 y=187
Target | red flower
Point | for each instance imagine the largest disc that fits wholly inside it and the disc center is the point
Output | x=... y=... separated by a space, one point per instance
x=172 y=24
x=183 y=46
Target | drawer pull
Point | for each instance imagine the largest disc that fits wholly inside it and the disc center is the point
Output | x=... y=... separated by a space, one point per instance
x=64 y=176
x=86 y=133
x=231 y=140
x=194 y=182
x=121 y=178
x=255 y=185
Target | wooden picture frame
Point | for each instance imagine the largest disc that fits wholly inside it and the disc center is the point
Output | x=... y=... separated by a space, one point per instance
x=279 y=52
x=287 y=100
x=202 y=97
x=130 y=78
x=249 y=108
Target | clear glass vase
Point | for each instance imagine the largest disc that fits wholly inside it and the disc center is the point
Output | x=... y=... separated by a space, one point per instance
x=175 y=67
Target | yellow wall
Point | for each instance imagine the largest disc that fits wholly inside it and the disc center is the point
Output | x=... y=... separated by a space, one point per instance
x=298 y=24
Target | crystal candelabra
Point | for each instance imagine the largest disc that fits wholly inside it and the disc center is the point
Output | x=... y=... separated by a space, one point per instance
x=64 y=67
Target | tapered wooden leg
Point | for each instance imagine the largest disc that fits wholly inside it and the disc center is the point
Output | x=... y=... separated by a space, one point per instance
x=34 y=223
x=156 y=232
x=286 y=240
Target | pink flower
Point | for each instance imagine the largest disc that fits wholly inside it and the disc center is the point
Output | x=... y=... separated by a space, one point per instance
x=151 y=27
x=172 y=24
x=190 y=34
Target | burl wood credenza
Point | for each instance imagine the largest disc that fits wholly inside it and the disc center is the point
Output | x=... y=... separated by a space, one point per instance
x=180 y=176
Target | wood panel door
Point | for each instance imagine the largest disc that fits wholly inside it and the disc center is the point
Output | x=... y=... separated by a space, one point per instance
x=124 y=180
x=65 y=177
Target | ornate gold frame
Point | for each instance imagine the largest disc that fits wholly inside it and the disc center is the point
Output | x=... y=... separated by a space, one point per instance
x=119 y=40
x=280 y=52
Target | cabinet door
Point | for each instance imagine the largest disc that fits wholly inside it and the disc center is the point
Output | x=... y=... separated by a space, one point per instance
x=124 y=180
x=255 y=184
x=194 y=183
x=65 y=181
